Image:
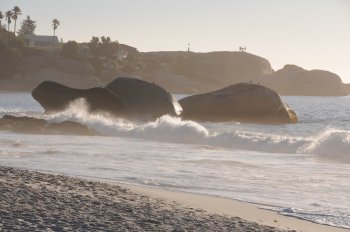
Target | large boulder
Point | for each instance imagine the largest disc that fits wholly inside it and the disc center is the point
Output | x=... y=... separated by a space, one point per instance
x=143 y=100
x=54 y=97
x=242 y=102
x=294 y=80
x=40 y=126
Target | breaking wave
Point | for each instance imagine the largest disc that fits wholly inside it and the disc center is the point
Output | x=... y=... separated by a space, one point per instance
x=330 y=143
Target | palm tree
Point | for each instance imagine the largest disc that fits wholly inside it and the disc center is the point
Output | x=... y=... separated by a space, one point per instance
x=55 y=24
x=15 y=12
x=8 y=17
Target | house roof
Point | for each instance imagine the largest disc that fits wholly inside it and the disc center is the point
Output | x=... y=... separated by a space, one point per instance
x=42 y=38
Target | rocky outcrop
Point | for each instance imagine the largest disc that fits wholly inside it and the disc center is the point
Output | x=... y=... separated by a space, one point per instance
x=143 y=100
x=123 y=97
x=294 y=80
x=40 y=126
x=240 y=102
x=55 y=97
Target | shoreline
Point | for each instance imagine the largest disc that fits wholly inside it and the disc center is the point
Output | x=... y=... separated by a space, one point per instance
x=158 y=209
x=232 y=208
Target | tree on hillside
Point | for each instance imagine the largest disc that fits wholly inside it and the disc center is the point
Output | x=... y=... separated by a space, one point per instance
x=108 y=47
x=27 y=27
x=103 y=48
x=15 y=12
x=55 y=24
x=103 y=51
x=8 y=17
x=1 y=17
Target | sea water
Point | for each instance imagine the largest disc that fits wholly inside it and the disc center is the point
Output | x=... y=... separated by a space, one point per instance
x=301 y=170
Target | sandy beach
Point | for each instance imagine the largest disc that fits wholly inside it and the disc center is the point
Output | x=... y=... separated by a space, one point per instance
x=233 y=208
x=36 y=201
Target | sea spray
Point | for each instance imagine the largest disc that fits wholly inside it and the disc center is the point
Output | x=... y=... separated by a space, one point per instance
x=102 y=122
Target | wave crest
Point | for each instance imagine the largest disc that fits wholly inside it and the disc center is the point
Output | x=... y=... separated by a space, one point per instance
x=331 y=143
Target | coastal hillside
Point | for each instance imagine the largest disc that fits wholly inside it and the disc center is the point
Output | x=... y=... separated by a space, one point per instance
x=97 y=63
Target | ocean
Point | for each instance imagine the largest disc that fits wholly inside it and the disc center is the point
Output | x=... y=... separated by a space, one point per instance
x=301 y=170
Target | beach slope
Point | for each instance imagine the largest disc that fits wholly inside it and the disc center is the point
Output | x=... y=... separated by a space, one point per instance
x=37 y=201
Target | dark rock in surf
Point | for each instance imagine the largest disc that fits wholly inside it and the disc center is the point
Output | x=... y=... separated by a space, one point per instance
x=22 y=124
x=240 y=102
x=40 y=126
x=54 y=97
x=143 y=100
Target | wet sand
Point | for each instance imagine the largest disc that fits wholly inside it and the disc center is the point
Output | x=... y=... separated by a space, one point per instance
x=33 y=201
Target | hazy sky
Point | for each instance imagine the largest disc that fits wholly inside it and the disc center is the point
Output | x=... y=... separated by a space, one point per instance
x=314 y=34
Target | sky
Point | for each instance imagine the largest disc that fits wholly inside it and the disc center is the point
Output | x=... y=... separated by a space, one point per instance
x=313 y=34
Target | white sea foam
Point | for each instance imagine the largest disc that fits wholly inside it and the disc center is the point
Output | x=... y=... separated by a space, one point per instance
x=330 y=143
